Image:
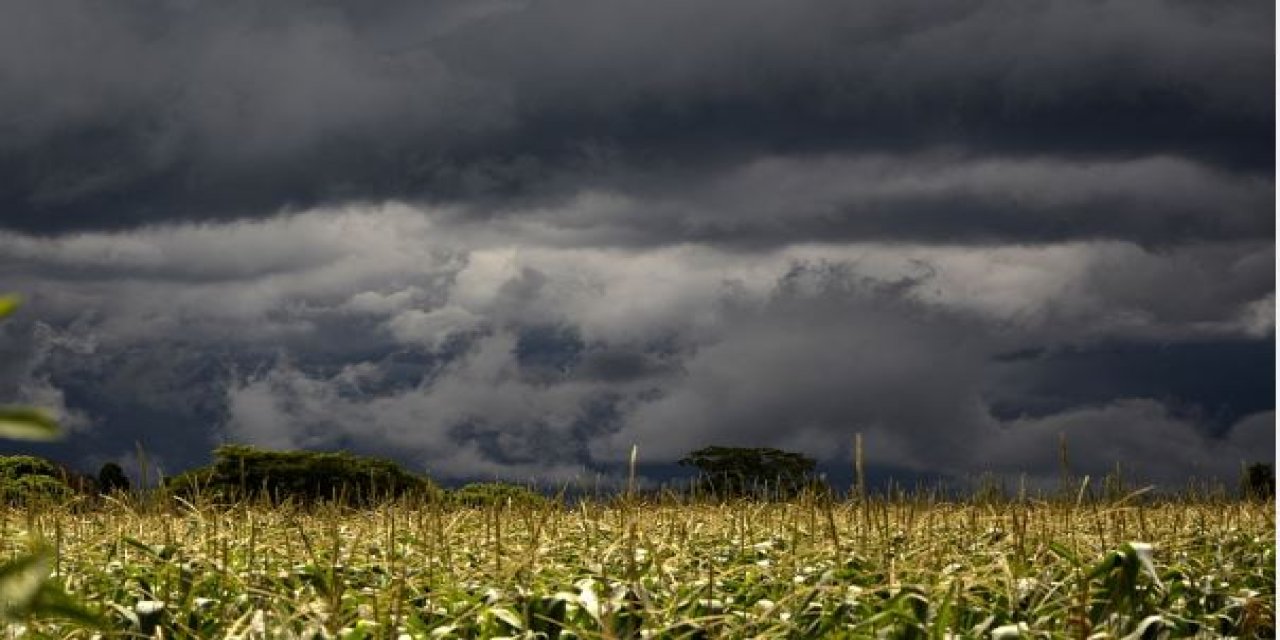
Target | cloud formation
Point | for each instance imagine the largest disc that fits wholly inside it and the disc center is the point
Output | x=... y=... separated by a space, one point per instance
x=152 y=111
x=513 y=238
x=395 y=330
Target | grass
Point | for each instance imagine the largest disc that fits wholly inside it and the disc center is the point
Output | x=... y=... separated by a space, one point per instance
x=910 y=567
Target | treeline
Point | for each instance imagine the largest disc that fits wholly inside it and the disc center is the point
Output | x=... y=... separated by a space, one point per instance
x=240 y=473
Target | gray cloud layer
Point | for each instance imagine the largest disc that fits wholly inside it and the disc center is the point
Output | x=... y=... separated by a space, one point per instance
x=392 y=330
x=515 y=238
x=146 y=111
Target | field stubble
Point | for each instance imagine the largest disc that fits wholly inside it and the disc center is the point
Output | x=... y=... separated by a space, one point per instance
x=902 y=568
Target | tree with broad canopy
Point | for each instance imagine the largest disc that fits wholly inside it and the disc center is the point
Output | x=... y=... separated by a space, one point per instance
x=741 y=471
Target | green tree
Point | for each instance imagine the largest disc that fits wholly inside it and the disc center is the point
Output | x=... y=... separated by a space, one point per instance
x=241 y=471
x=763 y=472
x=26 y=479
x=1259 y=481
x=485 y=494
x=14 y=467
x=111 y=479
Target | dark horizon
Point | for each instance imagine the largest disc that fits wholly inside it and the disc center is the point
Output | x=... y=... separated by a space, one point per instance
x=836 y=474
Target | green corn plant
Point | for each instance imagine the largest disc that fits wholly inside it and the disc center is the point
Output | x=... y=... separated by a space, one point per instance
x=24 y=423
x=25 y=588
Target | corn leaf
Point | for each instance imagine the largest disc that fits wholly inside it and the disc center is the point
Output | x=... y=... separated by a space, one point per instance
x=24 y=423
x=20 y=583
x=8 y=304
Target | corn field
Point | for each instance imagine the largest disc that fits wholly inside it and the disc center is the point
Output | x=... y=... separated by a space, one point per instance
x=906 y=567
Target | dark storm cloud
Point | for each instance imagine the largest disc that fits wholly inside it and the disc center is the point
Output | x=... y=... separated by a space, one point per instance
x=831 y=353
x=397 y=331
x=930 y=197
x=809 y=366
x=149 y=112
x=1243 y=383
x=513 y=239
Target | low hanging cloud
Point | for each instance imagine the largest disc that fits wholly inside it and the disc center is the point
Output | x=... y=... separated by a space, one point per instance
x=401 y=331
x=933 y=197
x=1140 y=436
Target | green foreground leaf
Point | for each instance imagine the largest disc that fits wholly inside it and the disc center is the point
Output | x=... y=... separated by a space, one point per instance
x=25 y=591
x=8 y=304
x=20 y=582
x=25 y=423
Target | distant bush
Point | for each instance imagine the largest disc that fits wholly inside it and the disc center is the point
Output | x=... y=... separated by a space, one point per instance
x=240 y=471
x=24 y=479
x=14 y=467
x=733 y=472
x=483 y=494
x=1259 y=482
x=28 y=489
x=111 y=479
x=196 y=482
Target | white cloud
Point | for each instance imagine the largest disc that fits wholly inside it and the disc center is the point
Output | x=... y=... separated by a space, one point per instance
x=401 y=327
x=1142 y=435
x=433 y=328
x=479 y=400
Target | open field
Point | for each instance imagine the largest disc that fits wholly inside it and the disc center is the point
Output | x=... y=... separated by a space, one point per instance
x=811 y=568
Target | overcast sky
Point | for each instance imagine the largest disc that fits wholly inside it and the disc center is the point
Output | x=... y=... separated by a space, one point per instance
x=509 y=239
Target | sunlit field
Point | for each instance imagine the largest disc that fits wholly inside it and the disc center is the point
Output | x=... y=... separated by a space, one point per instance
x=902 y=568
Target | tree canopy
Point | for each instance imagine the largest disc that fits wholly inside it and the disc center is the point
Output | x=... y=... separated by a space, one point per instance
x=27 y=478
x=740 y=471
x=1259 y=481
x=240 y=471
x=111 y=479
x=485 y=494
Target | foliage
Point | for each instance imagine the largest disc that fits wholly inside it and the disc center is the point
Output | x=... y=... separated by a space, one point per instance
x=28 y=479
x=242 y=471
x=762 y=472
x=14 y=467
x=35 y=489
x=1259 y=481
x=111 y=479
x=24 y=423
x=197 y=483
x=484 y=494
x=26 y=589
x=911 y=567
